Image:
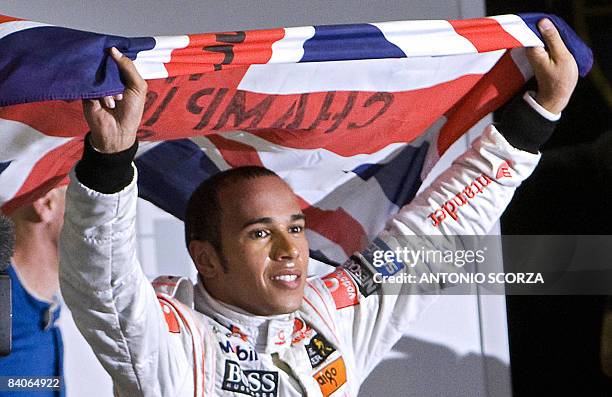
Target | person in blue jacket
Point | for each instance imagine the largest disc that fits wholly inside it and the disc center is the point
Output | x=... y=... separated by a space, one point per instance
x=37 y=347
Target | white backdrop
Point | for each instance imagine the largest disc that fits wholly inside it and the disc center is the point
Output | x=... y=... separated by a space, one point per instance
x=460 y=346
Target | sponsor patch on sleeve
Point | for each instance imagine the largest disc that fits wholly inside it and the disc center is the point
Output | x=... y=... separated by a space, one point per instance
x=342 y=288
x=331 y=377
x=170 y=317
x=503 y=171
x=362 y=273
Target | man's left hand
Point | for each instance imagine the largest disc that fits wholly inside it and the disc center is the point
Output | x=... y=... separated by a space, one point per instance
x=555 y=69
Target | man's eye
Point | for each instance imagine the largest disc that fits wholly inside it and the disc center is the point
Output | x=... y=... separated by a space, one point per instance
x=296 y=229
x=258 y=234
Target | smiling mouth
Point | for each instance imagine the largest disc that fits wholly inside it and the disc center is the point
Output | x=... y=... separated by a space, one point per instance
x=287 y=278
x=286 y=281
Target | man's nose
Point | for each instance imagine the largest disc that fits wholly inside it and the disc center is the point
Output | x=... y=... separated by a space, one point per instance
x=284 y=248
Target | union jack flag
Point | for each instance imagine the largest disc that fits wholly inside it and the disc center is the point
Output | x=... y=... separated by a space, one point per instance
x=351 y=116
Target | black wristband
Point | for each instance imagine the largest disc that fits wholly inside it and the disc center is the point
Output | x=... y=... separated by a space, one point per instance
x=106 y=172
x=525 y=128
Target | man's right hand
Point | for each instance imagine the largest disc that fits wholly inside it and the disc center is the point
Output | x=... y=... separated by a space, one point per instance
x=114 y=120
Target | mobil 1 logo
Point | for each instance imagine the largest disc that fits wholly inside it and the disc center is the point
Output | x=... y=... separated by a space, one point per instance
x=250 y=382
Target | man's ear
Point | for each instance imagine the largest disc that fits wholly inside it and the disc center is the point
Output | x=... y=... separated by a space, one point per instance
x=44 y=208
x=206 y=259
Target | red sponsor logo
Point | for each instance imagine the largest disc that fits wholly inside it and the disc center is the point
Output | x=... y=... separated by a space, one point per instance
x=235 y=331
x=170 y=317
x=280 y=338
x=301 y=331
x=342 y=288
x=451 y=207
x=503 y=171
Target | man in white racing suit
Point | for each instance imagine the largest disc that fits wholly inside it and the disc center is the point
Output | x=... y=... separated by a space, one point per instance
x=258 y=327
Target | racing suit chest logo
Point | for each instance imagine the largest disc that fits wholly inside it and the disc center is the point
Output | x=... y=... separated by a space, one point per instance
x=332 y=377
x=301 y=331
x=318 y=350
x=249 y=382
x=242 y=351
x=235 y=346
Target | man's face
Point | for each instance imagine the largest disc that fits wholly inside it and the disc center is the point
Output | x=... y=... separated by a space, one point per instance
x=263 y=247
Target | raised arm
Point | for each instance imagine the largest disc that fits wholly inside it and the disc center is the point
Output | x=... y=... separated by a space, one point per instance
x=471 y=195
x=113 y=303
x=466 y=199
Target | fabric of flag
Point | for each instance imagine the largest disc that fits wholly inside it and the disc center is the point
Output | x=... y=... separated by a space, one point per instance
x=352 y=116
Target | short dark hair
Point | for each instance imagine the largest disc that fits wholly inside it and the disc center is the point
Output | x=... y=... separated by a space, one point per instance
x=203 y=215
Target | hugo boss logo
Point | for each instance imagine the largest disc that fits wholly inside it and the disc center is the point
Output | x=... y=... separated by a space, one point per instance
x=249 y=382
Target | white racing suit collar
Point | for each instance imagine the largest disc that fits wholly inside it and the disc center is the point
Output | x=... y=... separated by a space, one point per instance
x=269 y=334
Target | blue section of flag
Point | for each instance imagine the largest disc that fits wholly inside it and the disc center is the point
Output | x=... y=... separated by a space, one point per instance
x=170 y=172
x=581 y=52
x=367 y=170
x=348 y=42
x=4 y=166
x=61 y=63
x=399 y=178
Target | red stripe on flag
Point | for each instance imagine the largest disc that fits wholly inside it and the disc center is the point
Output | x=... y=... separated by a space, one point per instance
x=185 y=106
x=486 y=34
x=350 y=123
x=492 y=91
x=345 y=122
x=5 y=18
x=335 y=225
x=54 y=118
x=214 y=51
x=236 y=153
x=50 y=171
